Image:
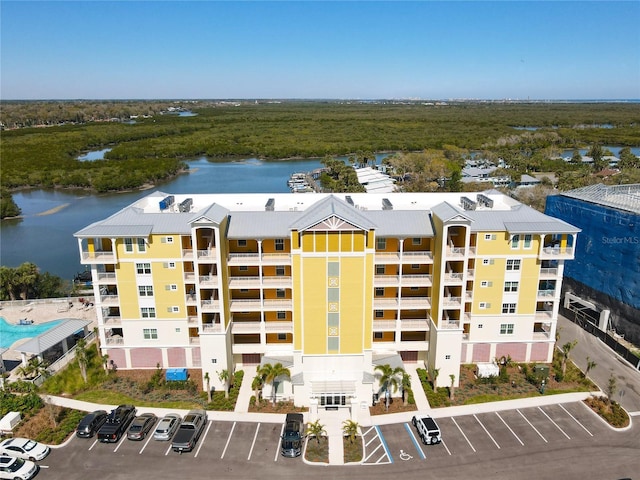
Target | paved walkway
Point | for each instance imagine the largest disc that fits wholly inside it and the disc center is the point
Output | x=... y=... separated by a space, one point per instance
x=245 y=394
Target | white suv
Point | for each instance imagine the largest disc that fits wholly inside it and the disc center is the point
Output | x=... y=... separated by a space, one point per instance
x=427 y=429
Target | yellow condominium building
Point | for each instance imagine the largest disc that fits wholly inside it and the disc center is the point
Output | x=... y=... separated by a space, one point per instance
x=329 y=285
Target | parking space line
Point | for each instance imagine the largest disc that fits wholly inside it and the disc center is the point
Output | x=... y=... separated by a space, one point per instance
x=254 y=441
x=168 y=449
x=575 y=420
x=228 y=440
x=558 y=426
x=446 y=448
x=277 y=449
x=201 y=440
x=124 y=437
x=465 y=437
x=486 y=431
x=145 y=444
x=384 y=444
x=506 y=425
x=95 y=442
x=415 y=441
x=374 y=451
x=531 y=425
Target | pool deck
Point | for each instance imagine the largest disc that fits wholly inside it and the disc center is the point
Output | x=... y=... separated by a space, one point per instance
x=41 y=311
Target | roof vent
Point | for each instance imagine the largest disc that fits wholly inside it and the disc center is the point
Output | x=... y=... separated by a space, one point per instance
x=386 y=204
x=166 y=202
x=349 y=200
x=468 y=204
x=185 y=205
x=484 y=201
x=270 y=205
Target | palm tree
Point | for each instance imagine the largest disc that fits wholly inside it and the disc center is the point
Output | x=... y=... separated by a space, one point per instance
x=207 y=380
x=34 y=368
x=612 y=387
x=453 y=380
x=223 y=376
x=406 y=386
x=566 y=350
x=316 y=429
x=8 y=281
x=590 y=366
x=26 y=277
x=434 y=376
x=390 y=379
x=350 y=429
x=81 y=357
x=270 y=373
x=256 y=385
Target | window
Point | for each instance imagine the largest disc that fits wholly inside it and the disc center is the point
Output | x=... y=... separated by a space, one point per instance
x=480 y=325
x=447 y=357
x=143 y=268
x=379 y=292
x=280 y=271
x=508 y=308
x=414 y=289
x=148 y=312
x=415 y=266
x=377 y=335
x=282 y=336
x=514 y=241
x=169 y=239
x=485 y=283
x=381 y=243
x=416 y=241
x=489 y=236
x=128 y=245
x=379 y=314
x=487 y=261
x=243 y=268
x=484 y=305
x=242 y=243
x=173 y=287
x=169 y=265
x=282 y=315
x=513 y=264
x=150 y=333
x=145 y=290
x=173 y=309
x=142 y=246
x=510 y=286
x=506 y=329
x=280 y=293
x=279 y=244
x=379 y=269
x=527 y=241
x=244 y=290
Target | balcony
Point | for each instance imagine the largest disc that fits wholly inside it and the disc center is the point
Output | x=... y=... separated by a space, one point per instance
x=546 y=294
x=244 y=282
x=208 y=280
x=449 y=324
x=417 y=257
x=472 y=251
x=471 y=274
x=114 y=340
x=189 y=277
x=382 y=303
x=245 y=327
x=453 y=278
x=415 y=302
x=416 y=280
x=239 y=348
x=191 y=299
x=448 y=302
x=455 y=252
x=387 y=257
x=104 y=278
x=194 y=340
x=109 y=300
x=541 y=335
x=192 y=320
x=278 y=327
x=384 y=325
x=551 y=273
x=96 y=258
x=544 y=315
x=414 y=324
x=277 y=281
x=386 y=280
x=278 y=304
x=111 y=321
x=555 y=252
x=209 y=255
x=210 y=305
x=212 y=328
x=187 y=254
x=282 y=258
x=237 y=259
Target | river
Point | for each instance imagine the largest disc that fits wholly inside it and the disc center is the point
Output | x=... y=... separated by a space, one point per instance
x=44 y=234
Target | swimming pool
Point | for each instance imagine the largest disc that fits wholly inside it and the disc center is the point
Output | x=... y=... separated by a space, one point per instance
x=11 y=333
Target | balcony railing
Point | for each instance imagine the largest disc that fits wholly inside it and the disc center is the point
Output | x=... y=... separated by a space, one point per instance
x=107 y=278
x=278 y=304
x=451 y=301
x=544 y=315
x=471 y=273
x=387 y=257
x=112 y=321
x=282 y=258
x=386 y=280
x=417 y=257
x=107 y=300
x=453 y=277
x=472 y=251
x=383 y=325
x=245 y=327
x=385 y=303
x=278 y=327
x=192 y=320
x=416 y=280
x=243 y=258
x=244 y=282
x=98 y=257
x=187 y=254
x=414 y=324
x=114 y=341
x=558 y=252
x=415 y=302
x=190 y=277
x=210 y=305
x=277 y=281
x=546 y=293
x=212 y=328
x=208 y=280
x=194 y=340
x=413 y=345
x=548 y=272
x=455 y=251
x=541 y=335
x=449 y=324
x=191 y=299
x=207 y=255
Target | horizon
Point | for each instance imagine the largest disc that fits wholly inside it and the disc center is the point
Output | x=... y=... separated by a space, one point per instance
x=311 y=50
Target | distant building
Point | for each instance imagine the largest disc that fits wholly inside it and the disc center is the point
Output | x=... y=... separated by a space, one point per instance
x=606 y=269
x=528 y=181
x=472 y=174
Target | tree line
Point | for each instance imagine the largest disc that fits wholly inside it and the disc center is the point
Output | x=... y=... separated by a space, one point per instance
x=26 y=281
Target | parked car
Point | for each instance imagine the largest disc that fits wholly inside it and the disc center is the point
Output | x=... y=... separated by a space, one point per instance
x=91 y=423
x=427 y=429
x=141 y=426
x=291 y=445
x=24 y=448
x=167 y=427
x=189 y=432
x=117 y=422
x=17 y=468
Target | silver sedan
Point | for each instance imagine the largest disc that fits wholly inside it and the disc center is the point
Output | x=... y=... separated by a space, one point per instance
x=167 y=427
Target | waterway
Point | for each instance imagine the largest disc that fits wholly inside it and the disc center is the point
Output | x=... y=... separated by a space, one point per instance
x=44 y=234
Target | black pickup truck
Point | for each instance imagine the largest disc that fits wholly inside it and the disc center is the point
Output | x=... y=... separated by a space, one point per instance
x=116 y=424
x=190 y=429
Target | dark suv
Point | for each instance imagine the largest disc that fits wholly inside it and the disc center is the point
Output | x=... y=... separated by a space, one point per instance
x=91 y=423
x=291 y=445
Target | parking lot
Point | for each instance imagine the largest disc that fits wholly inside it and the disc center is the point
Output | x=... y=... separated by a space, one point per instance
x=497 y=433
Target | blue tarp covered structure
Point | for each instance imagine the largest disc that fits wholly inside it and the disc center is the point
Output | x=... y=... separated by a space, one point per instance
x=176 y=374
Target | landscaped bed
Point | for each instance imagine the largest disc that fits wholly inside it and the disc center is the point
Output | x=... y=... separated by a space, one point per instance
x=317 y=449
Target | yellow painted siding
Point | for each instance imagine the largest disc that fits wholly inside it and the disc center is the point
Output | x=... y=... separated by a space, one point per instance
x=295 y=240
x=359 y=239
x=498 y=246
x=159 y=246
x=334 y=241
x=386 y=337
x=296 y=263
x=273 y=338
x=438 y=227
x=493 y=273
x=128 y=291
x=165 y=298
x=314 y=305
x=346 y=242
x=352 y=313
x=528 y=286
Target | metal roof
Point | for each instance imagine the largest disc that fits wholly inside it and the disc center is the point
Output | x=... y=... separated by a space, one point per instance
x=52 y=337
x=519 y=219
x=445 y=212
x=622 y=197
x=327 y=207
x=259 y=225
x=402 y=223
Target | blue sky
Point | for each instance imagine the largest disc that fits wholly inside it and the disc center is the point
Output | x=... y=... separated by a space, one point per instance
x=313 y=49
